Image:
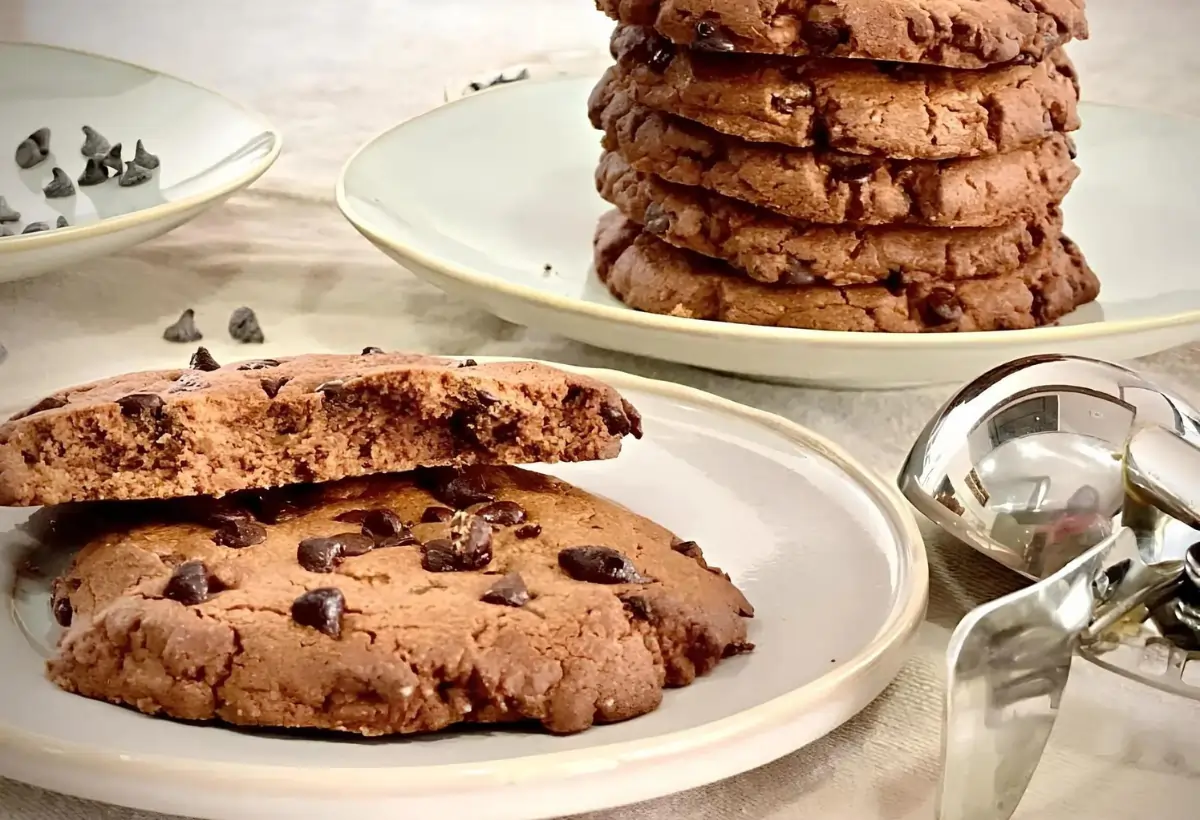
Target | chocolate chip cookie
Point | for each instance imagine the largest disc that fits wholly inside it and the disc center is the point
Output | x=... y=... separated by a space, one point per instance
x=771 y=248
x=211 y=430
x=854 y=106
x=955 y=33
x=829 y=187
x=395 y=604
x=650 y=275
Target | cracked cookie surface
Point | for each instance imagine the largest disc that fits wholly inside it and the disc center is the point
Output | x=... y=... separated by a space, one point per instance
x=522 y=638
x=854 y=106
x=954 y=33
x=649 y=275
x=771 y=248
x=833 y=188
x=211 y=430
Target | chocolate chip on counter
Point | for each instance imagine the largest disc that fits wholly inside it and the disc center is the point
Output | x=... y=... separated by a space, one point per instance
x=737 y=648
x=528 y=531
x=798 y=273
x=258 y=364
x=508 y=591
x=203 y=360
x=61 y=222
x=191 y=583
x=244 y=327
x=710 y=37
x=48 y=403
x=321 y=609
x=372 y=351
x=94 y=144
x=184 y=330
x=143 y=158
x=386 y=529
x=94 y=173
x=942 y=307
x=456 y=487
x=238 y=534
x=436 y=515
x=638 y=605
x=502 y=513
x=599 y=565
x=134 y=175
x=139 y=404
x=271 y=385
x=36 y=227
x=63 y=611
x=470 y=541
x=468 y=363
x=689 y=548
x=7 y=214
x=112 y=160
x=60 y=186
x=656 y=219
x=438 y=556
x=31 y=152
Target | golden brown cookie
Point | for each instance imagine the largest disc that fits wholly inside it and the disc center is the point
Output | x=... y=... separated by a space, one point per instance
x=395 y=604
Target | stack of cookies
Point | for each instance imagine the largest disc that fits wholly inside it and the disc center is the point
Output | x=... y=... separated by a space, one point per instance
x=862 y=165
x=342 y=542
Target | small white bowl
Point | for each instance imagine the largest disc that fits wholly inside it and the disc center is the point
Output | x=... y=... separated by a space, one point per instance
x=209 y=147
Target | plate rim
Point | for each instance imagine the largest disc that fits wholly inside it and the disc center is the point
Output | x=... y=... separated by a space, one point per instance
x=155 y=213
x=476 y=279
x=899 y=628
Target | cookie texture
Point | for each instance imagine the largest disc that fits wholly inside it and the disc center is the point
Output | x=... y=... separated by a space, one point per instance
x=831 y=187
x=855 y=106
x=581 y=613
x=650 y=275
x=771 y=248
x=211 y=430
x=955 y=33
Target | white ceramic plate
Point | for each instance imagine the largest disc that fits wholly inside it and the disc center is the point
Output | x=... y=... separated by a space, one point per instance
x=208 y=146
x=830 y=556
x=478 y=196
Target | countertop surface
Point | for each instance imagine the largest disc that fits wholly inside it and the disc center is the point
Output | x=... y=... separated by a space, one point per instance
x=332 y=74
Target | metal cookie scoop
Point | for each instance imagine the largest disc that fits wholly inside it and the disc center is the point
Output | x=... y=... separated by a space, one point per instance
x=1077 y=474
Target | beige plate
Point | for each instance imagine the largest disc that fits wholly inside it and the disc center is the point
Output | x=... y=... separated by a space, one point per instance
x=830 y=556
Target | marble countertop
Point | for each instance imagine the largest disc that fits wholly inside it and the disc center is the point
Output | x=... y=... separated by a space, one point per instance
x=331 y=74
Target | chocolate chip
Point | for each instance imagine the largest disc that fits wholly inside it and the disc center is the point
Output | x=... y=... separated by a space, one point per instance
x=1072 y=151
x=60 y=186
x=656 y=219
x=1025 y=58
x=258 y=364
x=48 y=403
x=143 y=158
x=689 y=548
x=508 y=591
x=274 y=506
x=437 y=556
x=486 y=398
x=895 y=282
x=333 y=390
x=203 y=360
x=823 y=36
x=710 y=37
x=139 y=404
x=615 y=420
x=659 y=53
x=323 y=554
x=61 y=222
x=94 y=143
x=271 y=385
x=63 y=611
x=435 y=515
x=238 y=534
x=528 y=531
x=222 y=514
x=113 y=159
x=321 y=609
x=191 y=584
x=351 y=516
x=36 y=227
x=635 y=419
x=386 y=528
x=852 y=171
x=502 y=513
x=134 y=175
x=798 y=273
x=372 y=351
x=470 y=541
x=638 y=605
x=7 y=214
x=942 y=307
x=184 y=328
x=737 y=648
x=94 y=173
x=468 y=363
x=244 y=327
x=599 y=565
x=456 y=487
x=29 y=154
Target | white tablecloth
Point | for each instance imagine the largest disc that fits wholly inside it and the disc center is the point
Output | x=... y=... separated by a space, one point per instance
x=331 y=74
